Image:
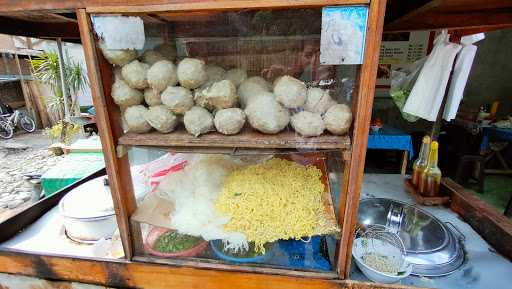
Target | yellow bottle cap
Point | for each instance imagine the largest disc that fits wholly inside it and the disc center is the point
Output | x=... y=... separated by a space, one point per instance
x=434 y=145
x=426 y=139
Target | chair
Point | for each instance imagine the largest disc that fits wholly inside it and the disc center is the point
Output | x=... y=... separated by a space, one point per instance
x=469 y=166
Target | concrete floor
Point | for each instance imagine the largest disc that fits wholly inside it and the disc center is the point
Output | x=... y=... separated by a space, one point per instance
x=497 y=191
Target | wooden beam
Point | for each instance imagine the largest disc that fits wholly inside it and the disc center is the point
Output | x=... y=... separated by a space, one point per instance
x=118 y=273
x=219 y=265
x=219 y=5
x=63 y=18
x=494 y=227
x=362 y=116
x=108 y=120
x=247 y=138
x=71 y=5
x=455 y=15
x=37 y=29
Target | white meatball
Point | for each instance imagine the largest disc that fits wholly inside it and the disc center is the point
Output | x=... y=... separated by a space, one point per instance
x=117 y=56
x=117 y=73
x=229 y=121
x=290 y=91
x=267 y=115
x=261 y=81
x=135 y=118
x=162 y=74
x=191 y=73
x=318 y=100
x=338 y=119
x=124 y=95
x=236 y=75
x=200 y=97
x=198 y=121
x=167 y=49
x=152 y=97
x=308 y=123
x=215 y=73
x=258 y=95
x=248 y=89
x=221 y=94
x=151 y=57
x=161 y=118
x=178 y=99
x=135 y=74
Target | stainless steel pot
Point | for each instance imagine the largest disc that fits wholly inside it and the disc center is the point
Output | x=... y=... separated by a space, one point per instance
x=434 y=247
x=87 y=211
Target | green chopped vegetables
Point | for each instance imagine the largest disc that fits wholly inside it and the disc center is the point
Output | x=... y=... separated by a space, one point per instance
x=172 y=242
x=400 y=96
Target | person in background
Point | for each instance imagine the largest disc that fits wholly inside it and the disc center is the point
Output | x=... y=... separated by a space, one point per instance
x=306 y=65
x=5 y=109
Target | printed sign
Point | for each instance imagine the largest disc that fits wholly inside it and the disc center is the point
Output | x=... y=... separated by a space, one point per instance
x=398 y=49
x=343 y=35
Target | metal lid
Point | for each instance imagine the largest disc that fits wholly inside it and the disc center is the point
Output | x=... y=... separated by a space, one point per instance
x=432 y=247
x=89 y=200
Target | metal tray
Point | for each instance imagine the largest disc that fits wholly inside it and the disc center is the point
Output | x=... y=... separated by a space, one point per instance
x=435 y=248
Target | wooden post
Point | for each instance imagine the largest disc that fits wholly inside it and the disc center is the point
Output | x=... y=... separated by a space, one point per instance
x=404 y=163
x=362 y=117
x=31 y=107
x=109 y=128
x=63 y=78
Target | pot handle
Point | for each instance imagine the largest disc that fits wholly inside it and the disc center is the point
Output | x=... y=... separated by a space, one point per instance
x=461 y=235
x=395 y=218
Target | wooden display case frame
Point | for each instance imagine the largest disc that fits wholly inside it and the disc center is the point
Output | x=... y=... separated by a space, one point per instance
x=142 y=272
x=117 y=161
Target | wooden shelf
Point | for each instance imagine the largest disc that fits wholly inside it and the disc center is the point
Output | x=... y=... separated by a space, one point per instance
x=248 y=138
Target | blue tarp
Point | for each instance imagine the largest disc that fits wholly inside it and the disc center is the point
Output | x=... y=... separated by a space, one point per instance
x=494 y=133
x=389 y=138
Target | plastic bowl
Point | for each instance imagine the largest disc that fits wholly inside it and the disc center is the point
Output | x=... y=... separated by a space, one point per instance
x=374 y=275
x=156 y=232
x=217 y=246
x=375 y=128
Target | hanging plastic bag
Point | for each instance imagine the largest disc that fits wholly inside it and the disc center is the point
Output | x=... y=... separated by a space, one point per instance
x=428 y=91
x=460 y=74
x=402 y=81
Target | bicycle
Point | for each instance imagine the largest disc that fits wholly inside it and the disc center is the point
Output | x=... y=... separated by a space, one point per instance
x=20 y=119
x=6 y=131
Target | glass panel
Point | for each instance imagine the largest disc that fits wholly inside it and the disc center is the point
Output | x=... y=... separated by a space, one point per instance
x=256 y=125
x=255 y=76
x=280 y=205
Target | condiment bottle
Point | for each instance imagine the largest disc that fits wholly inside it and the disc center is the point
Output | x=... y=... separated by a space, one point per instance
x=431 y=177
x=420 y=163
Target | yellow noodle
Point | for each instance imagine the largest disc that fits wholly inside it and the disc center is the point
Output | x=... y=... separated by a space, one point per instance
x=278 y=199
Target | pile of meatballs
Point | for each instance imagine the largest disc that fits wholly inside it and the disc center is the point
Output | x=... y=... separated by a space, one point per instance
x=155 y=93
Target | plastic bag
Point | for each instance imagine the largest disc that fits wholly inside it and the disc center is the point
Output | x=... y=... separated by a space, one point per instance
x=460 y=74
x=156 y=170
x=402 y=81
x=428 y=91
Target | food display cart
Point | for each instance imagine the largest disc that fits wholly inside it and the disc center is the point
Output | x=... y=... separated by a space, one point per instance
x=194 y=38
x=272 y=43
x=258 y=43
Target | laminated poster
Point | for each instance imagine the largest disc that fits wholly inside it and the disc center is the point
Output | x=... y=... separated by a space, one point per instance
x=343 y=35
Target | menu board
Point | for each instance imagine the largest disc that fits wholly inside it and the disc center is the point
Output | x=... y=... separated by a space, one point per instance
x=398 y=49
